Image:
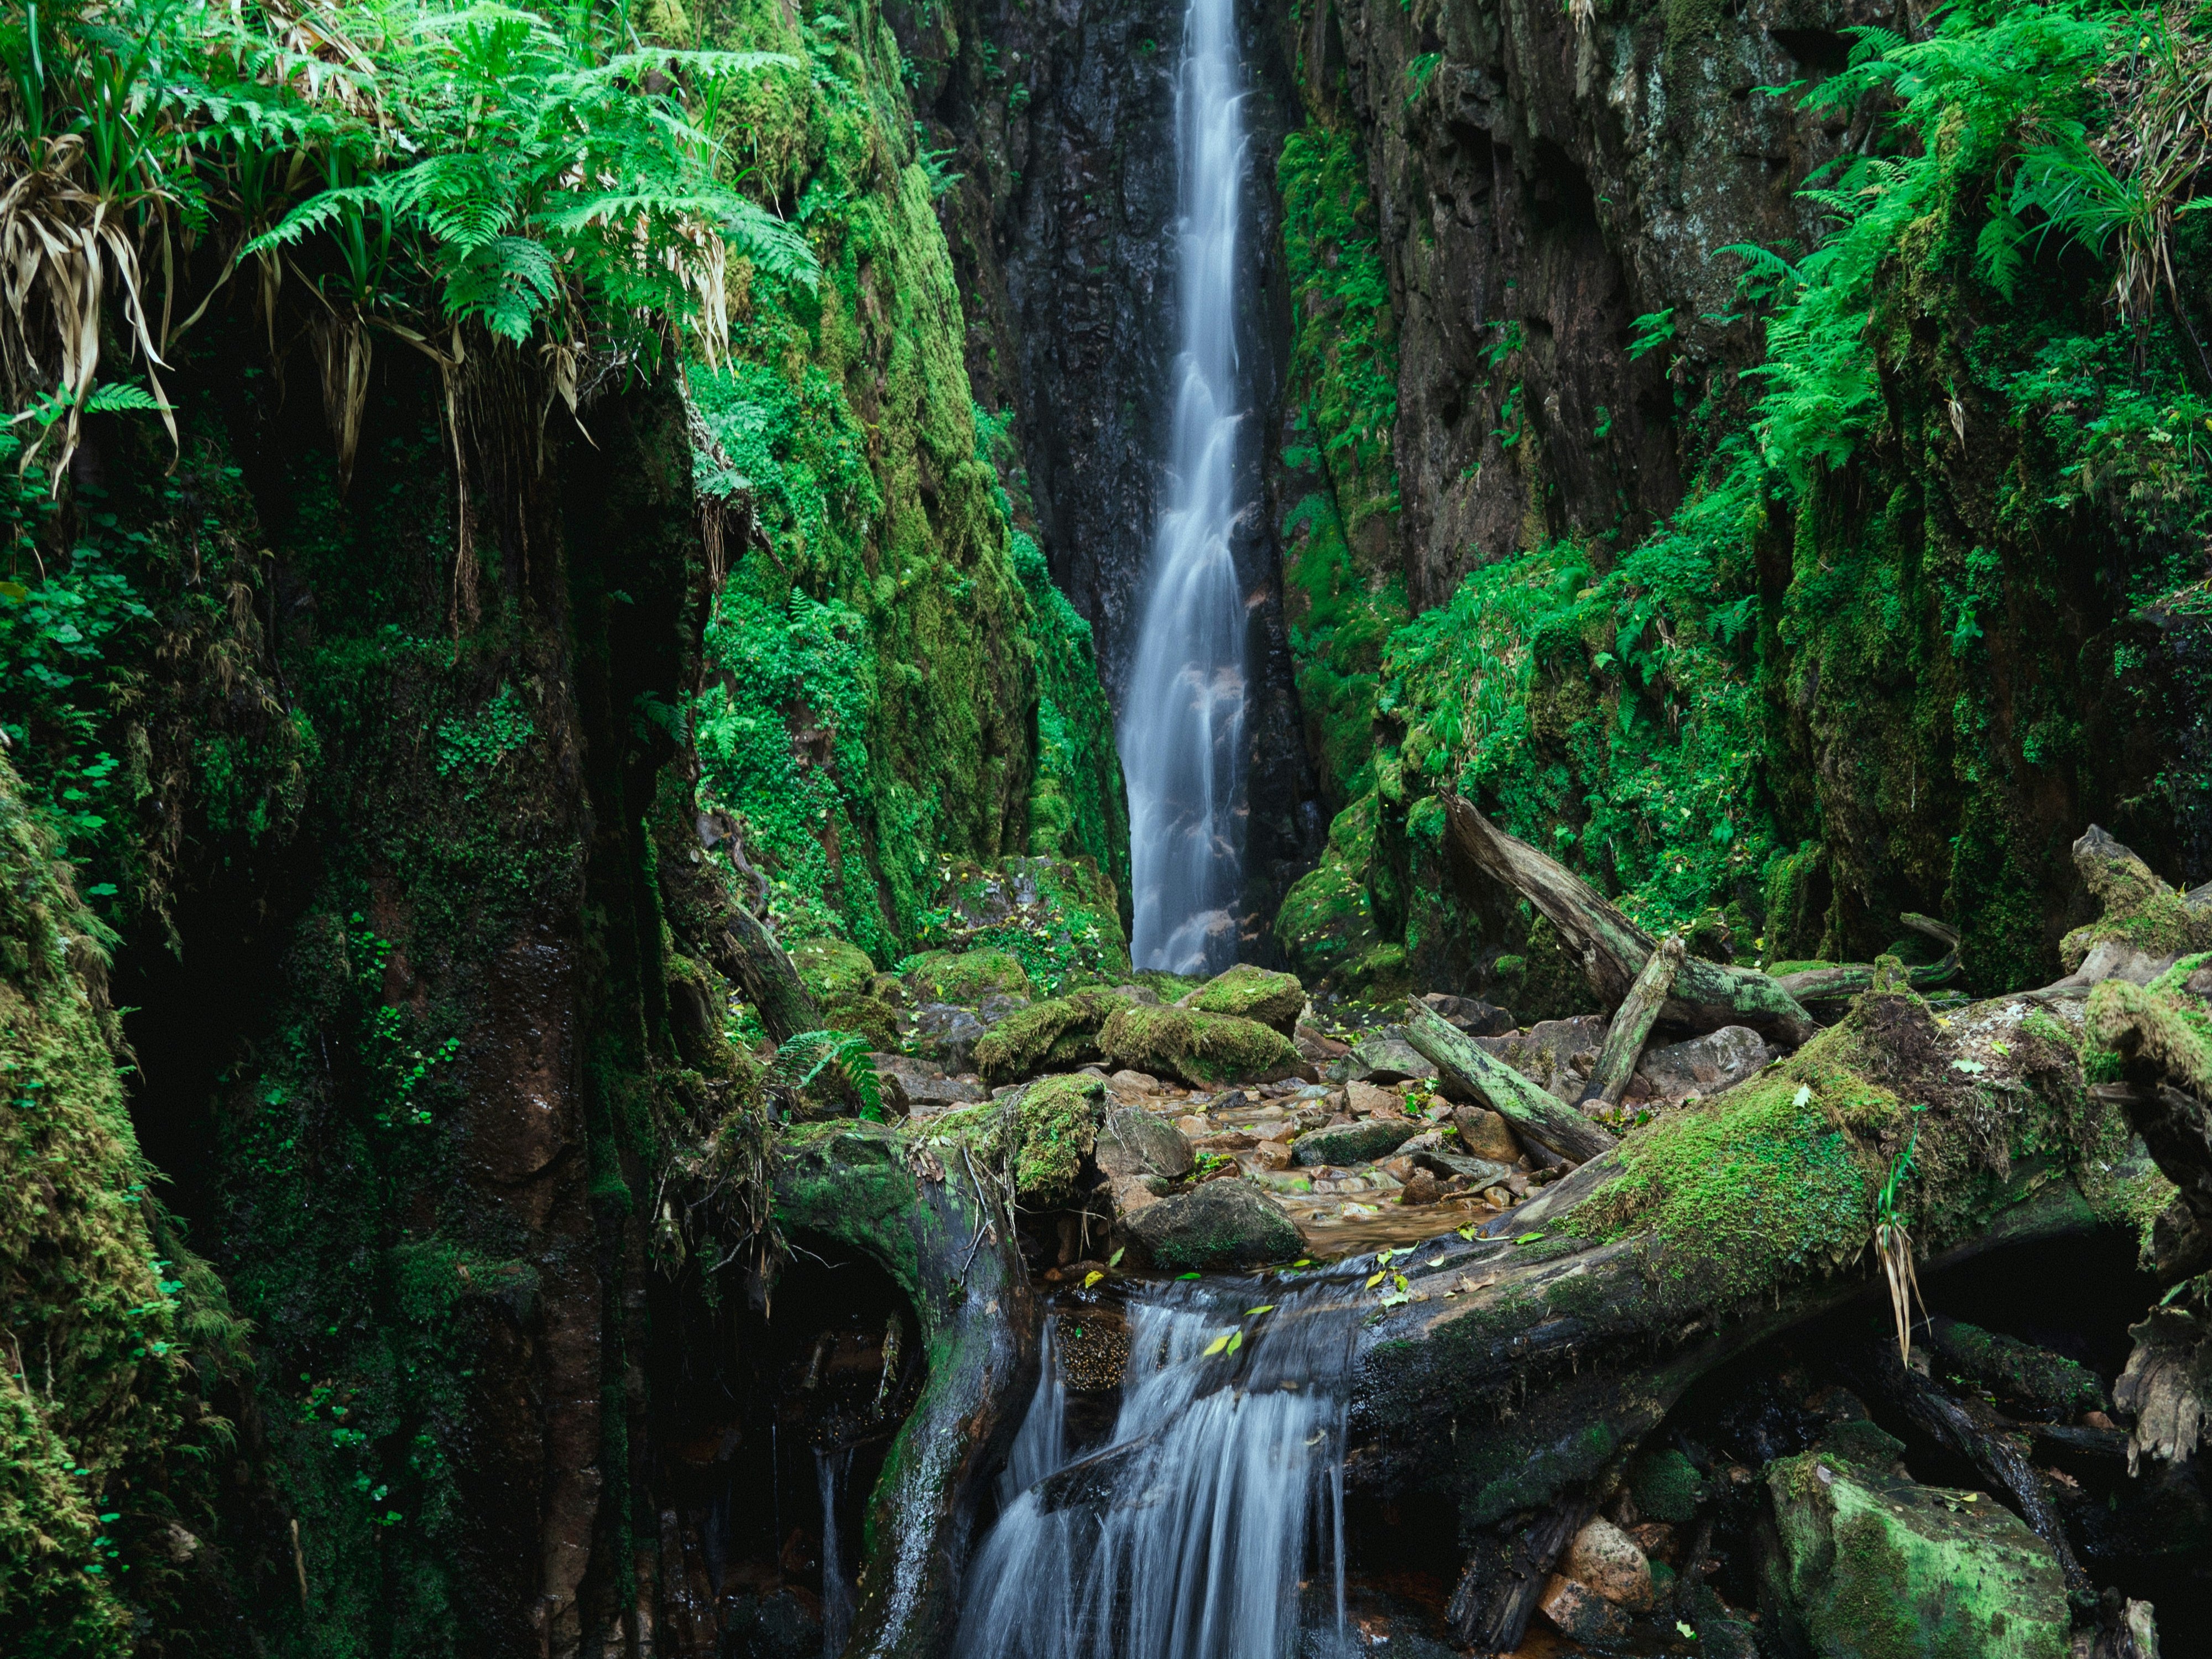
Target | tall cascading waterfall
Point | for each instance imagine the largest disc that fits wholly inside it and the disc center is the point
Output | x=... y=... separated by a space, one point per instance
x=1181 y=728
x=1218 y=1494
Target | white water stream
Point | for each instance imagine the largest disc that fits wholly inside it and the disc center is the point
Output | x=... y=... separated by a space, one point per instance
x=1211 y=1524
x=1182 y=720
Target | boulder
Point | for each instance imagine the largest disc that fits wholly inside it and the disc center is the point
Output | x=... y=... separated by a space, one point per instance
x=1384 y=1057
x=1043 y=1131
x=921 y=1087
x=847 y=992
x=1196 y=1047
x=1609 y=1561
x=1218 y=1226
x=944 y=1031
x=1423 y=1187
x=1869 y=1562
x=1704 y=1064
x=1483 y=1133
x=1251 y=992
x=1471 y=1014
x=1353 y=1143
x=1135 y=1143
x=1579 y=1613
x=1057 y=1035
x=963 y=976
x=1134 y=1083
x=1555 y=1054
x=1368 y=1100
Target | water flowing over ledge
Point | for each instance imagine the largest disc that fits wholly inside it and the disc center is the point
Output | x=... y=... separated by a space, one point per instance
x=1182 y=734
x=1211 y=1524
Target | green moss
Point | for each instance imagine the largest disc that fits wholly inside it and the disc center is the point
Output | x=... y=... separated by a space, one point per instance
x=1872 y=1567
x=102 y=1323
x=963 y=976
x=1666 y=1485
x=1251 y=993
x=1197 y=1048
x=1056 y=1034
x=1041 y=1134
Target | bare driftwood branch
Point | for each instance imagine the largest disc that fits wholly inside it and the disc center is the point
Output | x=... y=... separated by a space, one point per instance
x=1467 y=1068
x=1632 y=1023
x=1705 y=996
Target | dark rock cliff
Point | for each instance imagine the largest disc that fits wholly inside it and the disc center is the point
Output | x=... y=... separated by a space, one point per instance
x=1063 y=227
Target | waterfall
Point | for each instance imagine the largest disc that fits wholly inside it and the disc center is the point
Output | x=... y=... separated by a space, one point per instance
x=1181 y=729
x=1218 y=1498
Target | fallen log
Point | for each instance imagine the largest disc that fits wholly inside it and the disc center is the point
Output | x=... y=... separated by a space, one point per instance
x=2164 y=1063
x=1840 y=981
x=1464 y=1067
x=1527 y=1362
x=1496 y=1598
x=867 y=1187
x=1706 y=995
x=1631 y=1023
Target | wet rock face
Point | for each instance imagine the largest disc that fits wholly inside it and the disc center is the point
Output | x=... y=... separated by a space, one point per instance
x=1545 y=183
x=1061 y=119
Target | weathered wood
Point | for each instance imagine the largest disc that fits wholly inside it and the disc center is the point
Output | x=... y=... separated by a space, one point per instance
x=2165 y=1089
x=1496 y=1598
x=1632 y=1023
x=1842 y=981
x=863 y=1187
x=1465 y=1067
x=1706 y=995
x=747 y=955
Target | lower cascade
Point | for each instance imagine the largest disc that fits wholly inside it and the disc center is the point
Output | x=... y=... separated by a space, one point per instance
x=1210 y=1525
x=1182 y=730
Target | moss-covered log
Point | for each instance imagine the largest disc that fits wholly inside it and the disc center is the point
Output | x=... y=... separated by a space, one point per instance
x=1472 y=1073
x=942 y=1228
x=1706 y=995
x=1524 y=1362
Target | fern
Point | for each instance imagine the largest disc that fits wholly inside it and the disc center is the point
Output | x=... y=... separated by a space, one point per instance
x=842 y=1058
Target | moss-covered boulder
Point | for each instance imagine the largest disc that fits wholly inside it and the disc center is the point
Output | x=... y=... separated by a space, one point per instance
x=1043 y=1134
x=850 y=994
x=1326 y=924
x=1219 y=1226
x=1196 y=1047
x=1870 y=1564
x=964 y=976
x=1251 y=993
x=1060 y=917
x=1056 y=1034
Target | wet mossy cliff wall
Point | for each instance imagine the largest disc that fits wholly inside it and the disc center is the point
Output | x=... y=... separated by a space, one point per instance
x=385 y=795
x=1778 y=594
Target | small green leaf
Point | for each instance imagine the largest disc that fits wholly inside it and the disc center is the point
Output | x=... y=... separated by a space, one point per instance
x=1187 y=1275
x=1265 y=1307
x=1804 y=1093
x=1236 y=1342
x=1528 y=1238
x=1218 y=1345
x=1114 y=1260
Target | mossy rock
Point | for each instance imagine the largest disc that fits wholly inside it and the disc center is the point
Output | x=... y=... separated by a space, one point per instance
x=844 y=985
x=1045 y=1131
x=1666 y=1485
x=1353 y=1143
x=1058 y=1033
x=1217 y=1227
x=1251 y=993
x=1872 y=1565
x=1326 y=926
x=833 y=969
x=1196 y=1047
x=964 y=976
